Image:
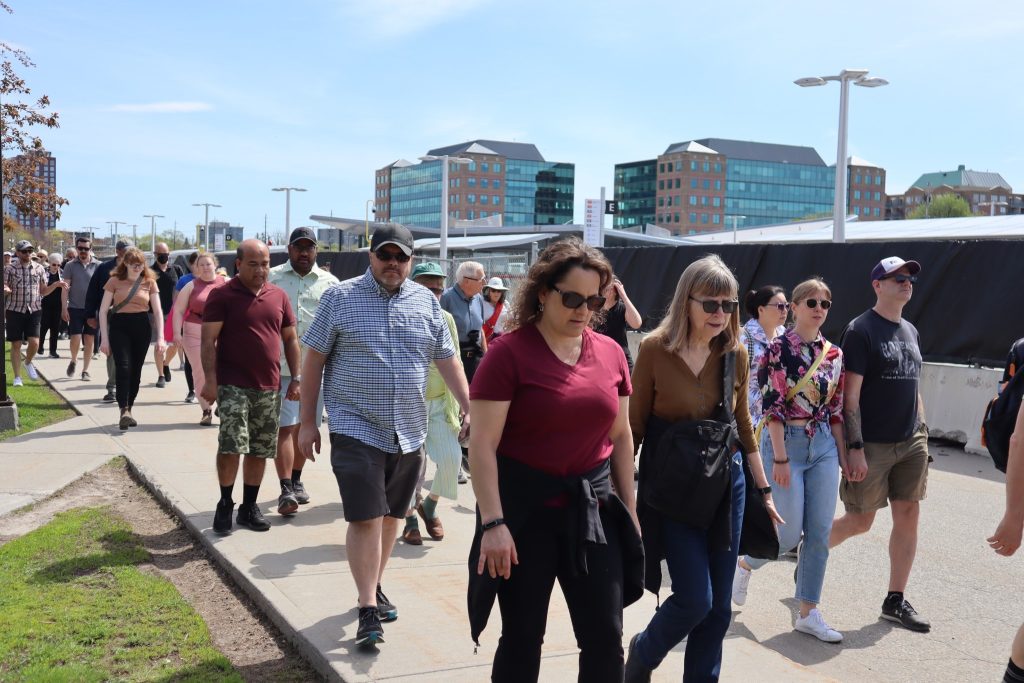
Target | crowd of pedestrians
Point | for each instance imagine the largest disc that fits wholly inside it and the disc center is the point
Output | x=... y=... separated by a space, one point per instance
x=770 y=413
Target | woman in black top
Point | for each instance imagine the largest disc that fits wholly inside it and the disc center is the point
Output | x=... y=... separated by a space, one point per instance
x=619 y=311
x=52 y=306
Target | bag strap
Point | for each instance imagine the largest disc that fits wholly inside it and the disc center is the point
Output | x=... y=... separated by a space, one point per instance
x=493 y=320
x=131 y=295
x=728 y=384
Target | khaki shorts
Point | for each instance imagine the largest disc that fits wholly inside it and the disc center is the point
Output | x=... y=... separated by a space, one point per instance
x=248 y=421
x=896 y=471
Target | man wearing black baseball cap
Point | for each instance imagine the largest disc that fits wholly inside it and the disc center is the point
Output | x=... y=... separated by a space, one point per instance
x=25 y=283
x=886 y=436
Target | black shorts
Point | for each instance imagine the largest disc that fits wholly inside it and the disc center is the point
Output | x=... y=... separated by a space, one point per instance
x=373 y=483
x=22 y=326
x=77 y=324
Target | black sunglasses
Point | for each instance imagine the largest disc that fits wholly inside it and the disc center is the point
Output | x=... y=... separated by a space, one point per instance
x=83 y=248
x=575 y=300
x=712 y=306
x=813 y=303
x=386 y=256
x=24 y=251
x=900 y=278
x=780 y=306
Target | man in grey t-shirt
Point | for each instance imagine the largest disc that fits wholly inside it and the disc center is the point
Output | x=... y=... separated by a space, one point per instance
x=77 y=274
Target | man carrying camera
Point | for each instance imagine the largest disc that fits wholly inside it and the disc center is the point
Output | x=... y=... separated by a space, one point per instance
x=464 y=301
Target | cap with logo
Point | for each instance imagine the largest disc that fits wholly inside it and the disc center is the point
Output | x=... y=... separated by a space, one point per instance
x=429 y=269
x=303 y=233
x=24 y=245
x=890 y=265
x=397 y=235
x=123 y=244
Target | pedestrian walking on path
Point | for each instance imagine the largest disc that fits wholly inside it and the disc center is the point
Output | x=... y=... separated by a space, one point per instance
x=25 y=285
x=886 y=435
x=252 y=314
x=93 y=297
x=78 y=273
x=189 y=309
x=372 y=342
x=167 y=275
x=52 y=306
x=768 y=312
x=552 y=459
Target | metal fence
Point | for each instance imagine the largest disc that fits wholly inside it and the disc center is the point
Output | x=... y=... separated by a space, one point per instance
x=511 y=268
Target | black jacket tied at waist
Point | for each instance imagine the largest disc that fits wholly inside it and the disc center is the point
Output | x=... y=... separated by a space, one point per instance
x=524 y=489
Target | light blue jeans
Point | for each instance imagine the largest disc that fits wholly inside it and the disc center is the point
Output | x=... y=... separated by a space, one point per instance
x=808 y=504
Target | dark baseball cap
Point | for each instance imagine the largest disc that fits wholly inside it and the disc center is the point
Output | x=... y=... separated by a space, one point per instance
x=397 y=235
x=123 y=244
x=24 y=245
x=303 y=233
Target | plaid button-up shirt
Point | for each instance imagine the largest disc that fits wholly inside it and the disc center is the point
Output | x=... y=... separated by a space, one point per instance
x=379 y=347
x=25 y=282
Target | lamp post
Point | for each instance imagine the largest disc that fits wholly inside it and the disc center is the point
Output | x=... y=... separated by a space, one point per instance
x=735 y=235
x=206 y=221
x=152 y=229
x=288 y=206
x=114 y=234
x=845 y=77
x=445 y=160
x=368 y=202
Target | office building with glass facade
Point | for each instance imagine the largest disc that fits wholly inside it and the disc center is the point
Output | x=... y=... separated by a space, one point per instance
x=505 y=183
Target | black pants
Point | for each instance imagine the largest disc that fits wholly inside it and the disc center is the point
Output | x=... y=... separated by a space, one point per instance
x=188 y=373
x=594 y=601
x=51 y=324
x=470 y=359
x=129 y=343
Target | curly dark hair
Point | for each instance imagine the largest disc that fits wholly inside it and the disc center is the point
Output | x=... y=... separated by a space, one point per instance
x=548 y=271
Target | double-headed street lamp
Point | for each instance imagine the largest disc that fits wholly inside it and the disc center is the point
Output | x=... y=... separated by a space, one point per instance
x=114 y=234
x=845 y=77
x=445 y=160
x=288 y=206
x=152 y=229
x=206 y=221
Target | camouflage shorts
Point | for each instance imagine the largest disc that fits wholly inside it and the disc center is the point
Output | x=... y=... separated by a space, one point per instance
x=248 y=420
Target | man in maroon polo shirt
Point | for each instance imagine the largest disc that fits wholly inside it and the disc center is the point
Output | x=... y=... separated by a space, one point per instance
x=244 y=325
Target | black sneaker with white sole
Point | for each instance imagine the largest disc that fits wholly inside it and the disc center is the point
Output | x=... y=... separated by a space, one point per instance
x=898 y=610
x=252 y=517
x=109 y=397
x=222 y=516
x=370 y=632
x=385 y=608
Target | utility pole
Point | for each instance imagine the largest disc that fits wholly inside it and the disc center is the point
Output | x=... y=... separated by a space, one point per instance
x=206 y=221
x=114 y=233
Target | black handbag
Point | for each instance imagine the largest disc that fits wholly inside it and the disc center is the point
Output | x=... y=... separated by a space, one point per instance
x=690 y=472
x=759 y=537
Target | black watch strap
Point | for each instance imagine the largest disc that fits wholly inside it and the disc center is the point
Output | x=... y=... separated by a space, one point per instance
x=765 y=491
x=854 y=445
x=491 y=524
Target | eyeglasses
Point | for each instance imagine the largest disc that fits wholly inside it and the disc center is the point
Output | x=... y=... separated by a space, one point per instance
x=474 y=279
x=900 y=278
x=82 y=248
x=712 y=306
x=575 y=300
x=388 y=256
x=813 y=303
x=781 y=306
x=136 y=265
x=24 y=251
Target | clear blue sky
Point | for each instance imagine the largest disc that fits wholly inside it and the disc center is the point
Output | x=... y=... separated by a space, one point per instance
x=167 y=104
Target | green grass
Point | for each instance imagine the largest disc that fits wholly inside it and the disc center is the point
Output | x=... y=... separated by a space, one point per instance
x=74 y=606
x=38 y=404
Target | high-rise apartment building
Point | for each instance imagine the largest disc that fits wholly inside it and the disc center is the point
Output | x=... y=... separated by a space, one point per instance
x=46 y=173
x=486 y=178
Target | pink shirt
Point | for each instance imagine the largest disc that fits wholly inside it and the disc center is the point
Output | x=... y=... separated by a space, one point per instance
x=200 y=293
x=560 y=415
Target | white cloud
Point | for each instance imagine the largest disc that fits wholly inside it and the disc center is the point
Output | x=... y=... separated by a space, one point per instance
x=162 y=107
x=397 y=18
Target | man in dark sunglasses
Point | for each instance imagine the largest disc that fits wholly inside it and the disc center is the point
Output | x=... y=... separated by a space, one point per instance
x=886 y=435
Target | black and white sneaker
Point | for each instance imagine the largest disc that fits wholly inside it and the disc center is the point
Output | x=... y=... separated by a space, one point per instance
x=222 y=516
x=252 y=517
x=299 y=489
x=385 y=608
x=109 y=397
x=897 y=609
x=286 y=502
x=190 y=397
x=370 y=632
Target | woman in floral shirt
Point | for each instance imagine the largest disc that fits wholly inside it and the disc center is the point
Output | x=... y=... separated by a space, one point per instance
x=768 y=311
x=802 y=447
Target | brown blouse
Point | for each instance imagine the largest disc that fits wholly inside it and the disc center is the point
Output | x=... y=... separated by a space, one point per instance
x=664 y=385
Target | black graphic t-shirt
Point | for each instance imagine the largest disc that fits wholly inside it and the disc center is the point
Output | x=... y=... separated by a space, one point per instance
x=888 y=356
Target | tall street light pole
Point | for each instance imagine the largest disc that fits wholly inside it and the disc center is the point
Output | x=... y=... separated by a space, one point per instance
x=367 y=230
x=844 y=78
x=206 y=221
x=445 y=161
x=287 y=206
x=114 y=233
x=735 y=234
x=152 y=229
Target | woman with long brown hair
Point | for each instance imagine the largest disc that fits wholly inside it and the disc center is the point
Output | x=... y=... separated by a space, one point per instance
x=126 y=326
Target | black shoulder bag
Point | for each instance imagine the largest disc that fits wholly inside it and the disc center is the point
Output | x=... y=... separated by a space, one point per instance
x=691 y=469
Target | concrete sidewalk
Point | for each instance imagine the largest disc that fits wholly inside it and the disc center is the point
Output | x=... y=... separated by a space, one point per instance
x=297 y=572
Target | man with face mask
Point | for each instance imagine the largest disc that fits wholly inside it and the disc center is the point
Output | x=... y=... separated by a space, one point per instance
x=166 y=278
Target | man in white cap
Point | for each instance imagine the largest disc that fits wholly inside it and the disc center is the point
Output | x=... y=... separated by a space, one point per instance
x=886 y=436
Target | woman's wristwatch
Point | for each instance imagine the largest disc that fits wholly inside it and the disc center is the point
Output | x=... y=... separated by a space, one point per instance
x=765 y=491
x=498 y=521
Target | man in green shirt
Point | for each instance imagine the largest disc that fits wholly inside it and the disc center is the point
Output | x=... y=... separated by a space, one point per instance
x=304 y=282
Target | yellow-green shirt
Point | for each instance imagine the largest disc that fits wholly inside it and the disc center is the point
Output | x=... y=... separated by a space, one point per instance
x=304 y=294
x=436 y=388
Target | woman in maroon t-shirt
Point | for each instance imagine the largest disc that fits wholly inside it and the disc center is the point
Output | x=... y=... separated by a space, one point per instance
x=550 y=404
x=188 y=322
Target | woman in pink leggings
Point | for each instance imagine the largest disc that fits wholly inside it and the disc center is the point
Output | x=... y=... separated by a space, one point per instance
x=188 y=322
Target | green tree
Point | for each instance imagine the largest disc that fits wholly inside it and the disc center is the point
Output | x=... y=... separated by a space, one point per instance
x=19 y=116
x=946 y=205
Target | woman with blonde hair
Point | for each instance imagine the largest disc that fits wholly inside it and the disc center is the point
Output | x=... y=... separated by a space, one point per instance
x=188 y=322
x=802 y=385
x=692 y=371
x=127 y=327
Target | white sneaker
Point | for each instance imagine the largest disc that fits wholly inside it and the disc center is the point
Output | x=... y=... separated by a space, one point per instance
x=18 y=382
x=814 y=624
x=31 y=369
x=740 y=583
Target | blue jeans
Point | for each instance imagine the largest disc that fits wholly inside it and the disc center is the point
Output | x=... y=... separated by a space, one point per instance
x=699 y=606
x=807 y=505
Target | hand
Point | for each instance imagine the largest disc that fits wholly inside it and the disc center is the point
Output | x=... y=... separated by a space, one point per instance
x=619 y=288
x=105 y=347
x=65 y=316
x=497 y=553
x=309 y=441
x=769 y=505
x=781 y=475
x=464 y=432
x=856 y=465
x=293 y=391
x=91 y=322
x=161 y=345
x=209 y=391
x=1006 y=539
x=62 y=284
x=178 y=341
